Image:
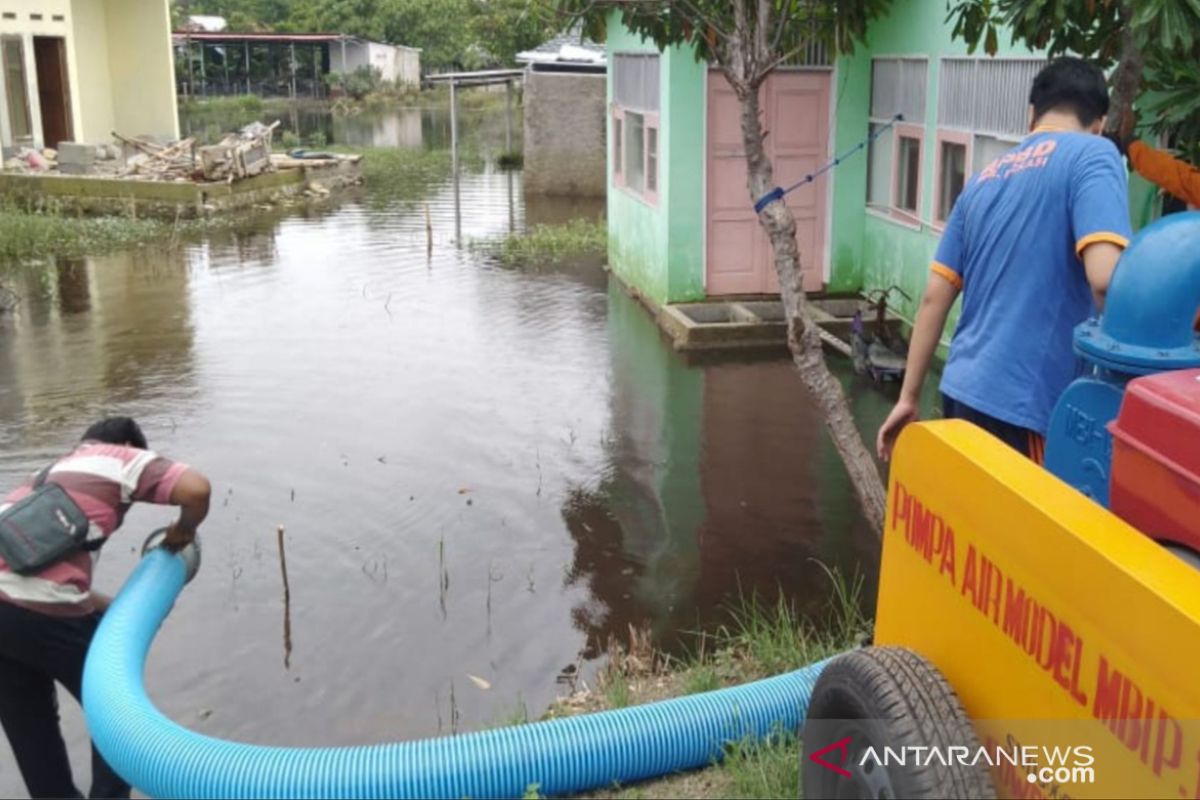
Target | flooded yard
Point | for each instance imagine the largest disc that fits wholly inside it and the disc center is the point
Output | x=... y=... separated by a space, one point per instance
x=481 y=471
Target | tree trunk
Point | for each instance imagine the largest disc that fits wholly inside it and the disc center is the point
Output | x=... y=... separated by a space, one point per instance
x=803 y=336
x=1126 y=78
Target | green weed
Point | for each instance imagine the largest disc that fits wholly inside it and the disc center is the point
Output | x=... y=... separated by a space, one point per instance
x=26 y=235
x=548 y=245
x=766 y=769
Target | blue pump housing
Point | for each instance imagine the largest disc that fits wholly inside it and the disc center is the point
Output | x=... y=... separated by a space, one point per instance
x=1147 y=327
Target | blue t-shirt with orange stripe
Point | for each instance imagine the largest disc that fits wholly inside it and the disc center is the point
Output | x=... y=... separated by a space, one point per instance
x=1013 y=245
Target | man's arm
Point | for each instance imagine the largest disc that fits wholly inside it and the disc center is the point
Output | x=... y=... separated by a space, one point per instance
x=1099 y=262
x=939 y=296
x=191 y=493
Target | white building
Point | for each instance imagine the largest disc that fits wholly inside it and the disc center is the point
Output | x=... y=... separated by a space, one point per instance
x=395 y=62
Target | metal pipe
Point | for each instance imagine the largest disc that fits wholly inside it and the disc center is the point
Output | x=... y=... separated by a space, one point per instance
x=1151 y=303
x=454 y=163
x=508 y=98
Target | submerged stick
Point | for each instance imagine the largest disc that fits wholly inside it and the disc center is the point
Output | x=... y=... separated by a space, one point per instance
x=428 y=231
x=287 y=602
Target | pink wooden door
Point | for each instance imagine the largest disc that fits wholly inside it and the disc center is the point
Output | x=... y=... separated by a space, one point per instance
x=796 y=115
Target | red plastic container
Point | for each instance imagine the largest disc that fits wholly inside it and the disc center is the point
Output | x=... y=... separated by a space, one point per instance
x=1156 y=457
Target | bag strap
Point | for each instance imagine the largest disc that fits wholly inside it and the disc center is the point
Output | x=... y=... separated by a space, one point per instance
x=41 y=476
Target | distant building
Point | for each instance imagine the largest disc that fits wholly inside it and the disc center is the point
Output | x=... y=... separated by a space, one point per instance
x=396 y=63
x=200 y=22
x=564 y=117
x=76 y=70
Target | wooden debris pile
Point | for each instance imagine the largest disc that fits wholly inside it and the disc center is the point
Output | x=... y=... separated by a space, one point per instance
x=162 y=162
x=239 y=155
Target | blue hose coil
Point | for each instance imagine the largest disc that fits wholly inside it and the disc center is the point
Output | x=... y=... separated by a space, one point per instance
x=560 y=756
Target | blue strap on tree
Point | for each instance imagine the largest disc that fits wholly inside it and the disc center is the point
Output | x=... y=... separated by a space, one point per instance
x=777 y=193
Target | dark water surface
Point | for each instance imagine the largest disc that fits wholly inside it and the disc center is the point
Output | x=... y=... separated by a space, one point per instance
x=481 y=470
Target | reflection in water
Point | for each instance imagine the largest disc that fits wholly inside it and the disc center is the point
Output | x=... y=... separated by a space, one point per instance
x=721 y=483
x=74 y=292
x=481 y=469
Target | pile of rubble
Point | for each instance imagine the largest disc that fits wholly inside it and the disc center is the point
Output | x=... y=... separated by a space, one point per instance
x=238 y=155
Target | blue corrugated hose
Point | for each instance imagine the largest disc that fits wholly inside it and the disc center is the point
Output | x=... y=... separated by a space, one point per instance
x=560 y=756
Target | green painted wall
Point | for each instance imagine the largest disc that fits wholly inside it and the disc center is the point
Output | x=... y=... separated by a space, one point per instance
x=659 y=249
x=869 y=250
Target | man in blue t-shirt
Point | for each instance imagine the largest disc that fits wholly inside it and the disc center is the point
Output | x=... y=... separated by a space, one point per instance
x=1031 y=244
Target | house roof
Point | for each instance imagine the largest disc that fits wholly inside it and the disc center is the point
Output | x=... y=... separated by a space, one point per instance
x=568 y=47
x=204 y=22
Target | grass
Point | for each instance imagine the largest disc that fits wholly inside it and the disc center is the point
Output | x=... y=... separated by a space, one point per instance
x=548 y=245
x=760 y=639
x=27 y=235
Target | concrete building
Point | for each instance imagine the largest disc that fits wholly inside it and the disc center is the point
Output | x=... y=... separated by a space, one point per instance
x=395 y=62
x=681 y=224
x=77 y=70
x=564 y=100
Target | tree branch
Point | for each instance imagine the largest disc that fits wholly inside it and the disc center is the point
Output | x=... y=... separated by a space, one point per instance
x=762 y=24
x=701 y=17
x=784 y=18
x=1126 y=78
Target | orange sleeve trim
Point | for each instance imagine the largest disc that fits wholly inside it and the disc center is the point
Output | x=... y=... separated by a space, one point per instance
x=1102 y=236
x=938 y=268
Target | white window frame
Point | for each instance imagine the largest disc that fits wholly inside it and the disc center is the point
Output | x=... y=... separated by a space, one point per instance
x=906 y=128
x=949 y=136
x=650 y=122
x=913 y=133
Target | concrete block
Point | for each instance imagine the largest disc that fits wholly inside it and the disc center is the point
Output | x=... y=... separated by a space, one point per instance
x=75 y=158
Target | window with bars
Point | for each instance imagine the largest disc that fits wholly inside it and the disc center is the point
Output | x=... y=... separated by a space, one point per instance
x=895 y=153
x=636 y=99
x=983 y=112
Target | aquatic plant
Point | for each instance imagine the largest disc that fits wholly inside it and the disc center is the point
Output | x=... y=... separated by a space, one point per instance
x=544 y=245
x=28 y=235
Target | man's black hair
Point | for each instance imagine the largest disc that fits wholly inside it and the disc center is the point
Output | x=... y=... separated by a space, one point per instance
x=117 y=430
x=1073 y=85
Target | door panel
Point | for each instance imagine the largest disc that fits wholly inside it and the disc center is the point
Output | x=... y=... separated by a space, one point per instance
x=50 y=56
x=796 y=115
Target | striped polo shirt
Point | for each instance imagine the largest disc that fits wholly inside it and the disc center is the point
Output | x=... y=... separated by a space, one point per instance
x=104 y=480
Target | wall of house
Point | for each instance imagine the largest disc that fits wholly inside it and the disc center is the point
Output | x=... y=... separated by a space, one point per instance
x=408 y=65
x=658 y=248
x=399 y=64
x=870 y=249
x=142 y=69
x=355 y=56
x=565 y=134
x=93 y=81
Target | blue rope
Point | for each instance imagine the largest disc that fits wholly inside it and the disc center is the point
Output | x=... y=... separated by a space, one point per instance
x=777 y=193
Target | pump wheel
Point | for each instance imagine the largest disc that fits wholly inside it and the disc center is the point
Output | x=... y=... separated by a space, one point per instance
x=887 y=697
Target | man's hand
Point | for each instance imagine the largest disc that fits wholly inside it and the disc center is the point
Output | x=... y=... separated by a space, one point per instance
x=178 y=537
x=906 y=411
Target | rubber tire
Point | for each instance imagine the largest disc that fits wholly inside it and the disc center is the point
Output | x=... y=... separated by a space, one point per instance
x=888 y=697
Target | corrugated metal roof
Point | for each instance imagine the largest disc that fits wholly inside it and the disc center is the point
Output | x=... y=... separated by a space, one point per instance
x=567 y=47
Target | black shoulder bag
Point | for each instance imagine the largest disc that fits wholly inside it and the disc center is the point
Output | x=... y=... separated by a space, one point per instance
x=43 y=528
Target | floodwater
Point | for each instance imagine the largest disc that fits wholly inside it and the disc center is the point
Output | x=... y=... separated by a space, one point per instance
x=481 y=471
